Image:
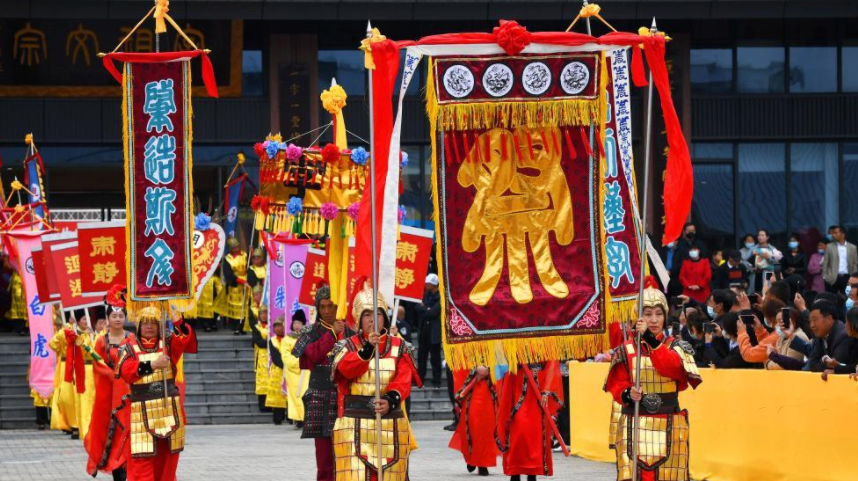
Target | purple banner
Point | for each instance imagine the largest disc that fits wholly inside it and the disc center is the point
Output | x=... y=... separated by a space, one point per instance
x=285 y=273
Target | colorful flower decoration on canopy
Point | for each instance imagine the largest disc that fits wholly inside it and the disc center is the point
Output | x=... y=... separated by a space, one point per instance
x=271 y=149
x=353 y=210
x=294 y=206
x=202 y=221
x=331 y=154
x=329 y=211
x=294 y=152
x=359 y=156
x=259 y=149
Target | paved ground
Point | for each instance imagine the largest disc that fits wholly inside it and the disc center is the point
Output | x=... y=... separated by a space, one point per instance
x=221 y=453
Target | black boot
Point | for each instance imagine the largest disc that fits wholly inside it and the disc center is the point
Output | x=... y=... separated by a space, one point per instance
x=75 y=434
x=452 y=426
x=515 y=477
x=531 y=477
x=483 y=471
x=470 y=468
x=119 y=474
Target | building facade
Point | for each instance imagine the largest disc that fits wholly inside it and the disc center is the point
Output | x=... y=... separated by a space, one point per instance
x=766 y=90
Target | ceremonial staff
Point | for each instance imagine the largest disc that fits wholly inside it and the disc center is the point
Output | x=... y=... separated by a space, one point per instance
x=642 y=248
x=372 y=198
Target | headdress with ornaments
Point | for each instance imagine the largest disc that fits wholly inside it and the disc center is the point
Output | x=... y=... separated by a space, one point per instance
x=322 y=293
x=652 y=295
x=362 y=302
x=148 y=315
x=232 y=242
x=114 y=299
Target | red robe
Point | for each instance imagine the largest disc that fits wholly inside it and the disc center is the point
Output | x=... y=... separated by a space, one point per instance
x=108 y=429
x=696 y=273
x=475 y=435
x=162 y=466
x=523 y=432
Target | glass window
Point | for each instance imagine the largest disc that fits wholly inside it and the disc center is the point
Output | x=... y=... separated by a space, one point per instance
x=849 y=73
x=813 y=186
x=813 y=69
x=712 y=70
x=252 y=82
x=849 y=177
x=760 y=69
x=762 y=189
x=713 y=202
x=344 y=65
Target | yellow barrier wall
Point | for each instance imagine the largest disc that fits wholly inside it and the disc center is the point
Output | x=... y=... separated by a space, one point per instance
x=746 y=425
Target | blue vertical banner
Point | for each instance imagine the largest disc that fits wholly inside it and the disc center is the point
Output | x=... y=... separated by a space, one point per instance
x=234 y=188
x=33 y=181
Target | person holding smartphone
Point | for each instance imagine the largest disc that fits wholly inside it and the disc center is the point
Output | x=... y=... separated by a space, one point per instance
x=667 y=367
x=715 y=354
x=749 y=327
x=782 y=356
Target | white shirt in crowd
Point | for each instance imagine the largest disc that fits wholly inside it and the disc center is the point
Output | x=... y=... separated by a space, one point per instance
x=842 y=267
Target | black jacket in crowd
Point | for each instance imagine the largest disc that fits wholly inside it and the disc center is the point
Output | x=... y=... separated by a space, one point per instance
x=727 y=275
x=837 y=345
x=429 y=315
x=796 y=262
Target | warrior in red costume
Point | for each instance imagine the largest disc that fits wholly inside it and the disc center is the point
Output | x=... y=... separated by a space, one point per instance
x=476 y=403
x=148 y=364
x=667 y=367
x=523 y=430
x=106 y=440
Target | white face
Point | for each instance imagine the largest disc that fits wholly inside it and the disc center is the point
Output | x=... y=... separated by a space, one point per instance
x=654 y=317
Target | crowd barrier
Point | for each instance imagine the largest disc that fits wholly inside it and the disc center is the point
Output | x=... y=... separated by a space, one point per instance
x=746 y=425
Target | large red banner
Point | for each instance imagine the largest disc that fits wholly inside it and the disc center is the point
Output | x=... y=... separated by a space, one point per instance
x=102 y=256
x=40 y=273
x=49 y=279
x=315 y=275
x=158 y=182
x=413 y=251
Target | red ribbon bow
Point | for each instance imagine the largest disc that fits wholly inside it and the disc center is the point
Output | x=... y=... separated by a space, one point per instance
x=512 y=37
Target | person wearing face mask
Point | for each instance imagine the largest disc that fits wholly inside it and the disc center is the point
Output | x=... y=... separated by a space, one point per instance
x=766 y=259
x=684 y=246
x=782 y=356
x=695 y=276
x=851 y=296
x=794 y=261
x=732 y=359
x=749 y=243
x=815 y=281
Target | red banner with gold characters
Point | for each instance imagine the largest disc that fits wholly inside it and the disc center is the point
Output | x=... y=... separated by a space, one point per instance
x=157 y=134
x=315 y=275
x=102 y=256
x=413 y=251
x=66 y=261
x=45 y=276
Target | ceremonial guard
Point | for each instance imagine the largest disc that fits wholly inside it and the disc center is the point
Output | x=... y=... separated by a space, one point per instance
x=256 y=273
x=64 y=402
x=297 y=379
x=260 y=356
x=232 y=301
x=667 y=367
x=157 y=428
x=203 y=310
x=84 y=339
x=108 y=430
x=476 y=404
x=356 y=443
x=275 y=398
x=523 y=419
x=320 y=401
x=17 y=313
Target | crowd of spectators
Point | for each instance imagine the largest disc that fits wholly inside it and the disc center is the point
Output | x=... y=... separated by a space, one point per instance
x=760 y=307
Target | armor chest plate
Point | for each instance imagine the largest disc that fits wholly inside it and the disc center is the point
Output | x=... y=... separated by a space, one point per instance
x=159 y=374
x=365 y=384
x=651 y=380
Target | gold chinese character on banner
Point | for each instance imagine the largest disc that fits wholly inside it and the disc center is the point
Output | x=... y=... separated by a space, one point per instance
x=403 y=278
x=140 y=42
x=406 y=251
x=318 y=269
x=519 y=200
x=195 y=35
x=78 y=42
x=74 y=286
x=313 y=291
x=29 y=47
x=104 y=272
x=72 y=264
x=103 y=246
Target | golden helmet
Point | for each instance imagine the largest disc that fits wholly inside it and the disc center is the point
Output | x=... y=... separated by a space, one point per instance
x=148 y=315
x=258 y=252
x=363 y=302
x=232 y=242
x=653 y=296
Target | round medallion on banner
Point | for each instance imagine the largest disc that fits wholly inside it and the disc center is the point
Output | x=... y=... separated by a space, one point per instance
x=296 y=269
x=198 y=239
x=536 y=78
x=232 y=214
x=29 y=266
x=498 y=80
x=458 y=81
x=34 y=188
x=574 y=78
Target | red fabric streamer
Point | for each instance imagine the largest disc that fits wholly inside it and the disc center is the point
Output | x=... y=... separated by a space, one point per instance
x=454 y=139
x=569 y=146
x=529 y=145
x=585 y=140
x=207 y=69
x=75 y=367
x=467 y=144
x=638 y=73
x=545 y=144
x=448 y=153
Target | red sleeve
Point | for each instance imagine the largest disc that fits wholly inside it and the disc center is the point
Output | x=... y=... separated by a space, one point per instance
x=351 y=366
x=128 y=369
x=618 y=381
x=181 y=343
x=316 y=352
x=684 y=274
x=100 y=368
x=401 y=381
x=668 y=363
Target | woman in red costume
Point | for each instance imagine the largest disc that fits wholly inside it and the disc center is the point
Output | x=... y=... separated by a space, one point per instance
x=148 y=363
x=108 y=429
x=525 y=436
x=476 y=402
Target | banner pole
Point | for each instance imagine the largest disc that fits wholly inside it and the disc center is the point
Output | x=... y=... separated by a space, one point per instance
x=641 y=247
x=373 y=201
